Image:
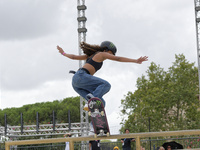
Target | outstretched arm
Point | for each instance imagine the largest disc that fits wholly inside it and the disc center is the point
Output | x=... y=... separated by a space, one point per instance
x=124 y=59
x=71 y=56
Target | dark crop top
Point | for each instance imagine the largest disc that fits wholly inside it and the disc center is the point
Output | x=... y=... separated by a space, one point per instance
x=96 y=65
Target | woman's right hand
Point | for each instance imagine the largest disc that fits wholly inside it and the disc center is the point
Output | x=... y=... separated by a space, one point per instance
x=60 y=49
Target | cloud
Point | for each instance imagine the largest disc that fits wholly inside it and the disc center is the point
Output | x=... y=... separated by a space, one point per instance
x=48 y=91
x=28 y=48
x=32 y=70
x=22 y=20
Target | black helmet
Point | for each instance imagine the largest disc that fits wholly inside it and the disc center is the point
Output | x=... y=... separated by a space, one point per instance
x=110 y=46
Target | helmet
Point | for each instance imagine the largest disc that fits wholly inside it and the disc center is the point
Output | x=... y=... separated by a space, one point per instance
x=110 y=46
x=116 y=148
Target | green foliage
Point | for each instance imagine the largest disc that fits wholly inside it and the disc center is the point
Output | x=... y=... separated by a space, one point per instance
x=45 y=110
x=169 y=98
x=105 y=141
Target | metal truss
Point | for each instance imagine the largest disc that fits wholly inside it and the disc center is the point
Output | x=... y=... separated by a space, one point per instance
x=43 y=130
x=82 y=38
x=197 y=19
x=81 y=7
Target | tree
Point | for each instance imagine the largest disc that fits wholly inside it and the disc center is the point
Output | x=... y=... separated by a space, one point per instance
x=169 y=98
x=45 y=110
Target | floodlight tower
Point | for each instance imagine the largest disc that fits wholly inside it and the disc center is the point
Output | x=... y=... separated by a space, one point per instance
x=197 y=19
x=82 y=38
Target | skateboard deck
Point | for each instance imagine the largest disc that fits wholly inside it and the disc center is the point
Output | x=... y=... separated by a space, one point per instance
x=98 y=116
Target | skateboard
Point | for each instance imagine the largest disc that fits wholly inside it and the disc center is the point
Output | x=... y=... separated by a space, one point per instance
x=98 y=117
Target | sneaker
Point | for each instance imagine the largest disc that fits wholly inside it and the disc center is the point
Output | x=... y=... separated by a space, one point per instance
x=86 y=107
x=89 y=96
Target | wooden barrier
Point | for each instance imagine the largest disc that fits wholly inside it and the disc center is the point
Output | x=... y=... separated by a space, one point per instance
x=71 y=140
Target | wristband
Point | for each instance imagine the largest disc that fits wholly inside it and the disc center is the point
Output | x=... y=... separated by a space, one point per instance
x=63 y=53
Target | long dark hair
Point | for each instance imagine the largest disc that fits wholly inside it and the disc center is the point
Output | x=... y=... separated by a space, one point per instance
x=126 y=129
x=89 y=49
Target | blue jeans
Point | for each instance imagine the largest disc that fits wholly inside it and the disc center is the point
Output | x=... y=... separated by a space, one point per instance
x=84 y=83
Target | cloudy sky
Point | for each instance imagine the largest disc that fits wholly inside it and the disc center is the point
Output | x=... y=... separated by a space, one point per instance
x=33 y=71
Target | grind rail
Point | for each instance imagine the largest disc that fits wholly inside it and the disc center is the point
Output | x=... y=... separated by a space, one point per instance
x=71 y=140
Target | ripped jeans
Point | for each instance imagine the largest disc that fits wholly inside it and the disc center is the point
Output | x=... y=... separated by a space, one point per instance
x=84 y=83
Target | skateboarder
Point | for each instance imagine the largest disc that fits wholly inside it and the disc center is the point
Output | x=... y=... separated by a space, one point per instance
x=83 y=82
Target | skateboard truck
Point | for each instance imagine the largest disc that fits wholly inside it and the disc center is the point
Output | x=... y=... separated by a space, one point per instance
x=89 y=96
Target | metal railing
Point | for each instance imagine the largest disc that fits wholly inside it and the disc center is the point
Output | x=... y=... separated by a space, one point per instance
x=43 y=130
x=193 y=142
x=137 y=136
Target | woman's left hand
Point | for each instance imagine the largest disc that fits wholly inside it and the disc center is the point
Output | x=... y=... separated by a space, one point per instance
x=141 y=59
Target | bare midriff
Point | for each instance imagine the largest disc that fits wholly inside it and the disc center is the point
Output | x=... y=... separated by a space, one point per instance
x=90 y=68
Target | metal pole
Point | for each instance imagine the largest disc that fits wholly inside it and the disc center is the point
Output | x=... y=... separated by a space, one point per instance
x=197 y=20
x=37 y=122
x=69 y=120
x=5 y=117
x=54 y=122
x=150 y=131
x=81 y=7
x=22 y=123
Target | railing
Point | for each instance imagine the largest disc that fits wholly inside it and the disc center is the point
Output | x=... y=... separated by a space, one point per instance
x=43 y=130
x=137 y=136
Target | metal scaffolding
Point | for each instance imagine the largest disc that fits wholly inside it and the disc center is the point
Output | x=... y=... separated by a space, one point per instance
x=82 y=38
x=43 y=130
x=197 y=19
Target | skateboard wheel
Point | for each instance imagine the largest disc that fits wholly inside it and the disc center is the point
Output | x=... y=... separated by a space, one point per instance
x=108 y=134
x=101 y=132
x=91 y=105
x=102 y=113
x=89 y=113
x=95 y=136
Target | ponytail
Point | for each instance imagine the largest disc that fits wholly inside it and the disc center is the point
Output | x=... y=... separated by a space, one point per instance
x=90 y=49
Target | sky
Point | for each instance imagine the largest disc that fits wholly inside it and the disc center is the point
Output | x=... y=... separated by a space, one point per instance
x=32 y=70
